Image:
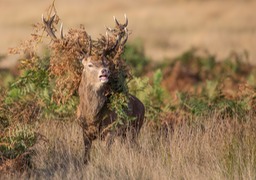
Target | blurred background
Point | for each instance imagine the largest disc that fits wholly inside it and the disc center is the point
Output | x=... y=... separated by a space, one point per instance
x=165 y=27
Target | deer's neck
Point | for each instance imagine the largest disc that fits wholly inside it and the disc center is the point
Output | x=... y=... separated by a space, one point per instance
x=92 y=100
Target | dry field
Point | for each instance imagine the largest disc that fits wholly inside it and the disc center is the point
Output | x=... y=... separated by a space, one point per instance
x=221 y=150
x=200 y=112
x=186 y=153
x=167 y=27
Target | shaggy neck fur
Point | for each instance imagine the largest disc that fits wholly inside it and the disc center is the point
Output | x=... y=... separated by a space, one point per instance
x=92 y=99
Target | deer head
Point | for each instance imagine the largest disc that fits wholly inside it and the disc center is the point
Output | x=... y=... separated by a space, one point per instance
x=96 y=71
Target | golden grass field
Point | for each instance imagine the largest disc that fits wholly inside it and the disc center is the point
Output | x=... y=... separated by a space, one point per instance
x=200 y=113
x=223 y=150
x=166 y=27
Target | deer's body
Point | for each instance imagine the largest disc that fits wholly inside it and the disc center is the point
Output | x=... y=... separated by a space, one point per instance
x=93 y=112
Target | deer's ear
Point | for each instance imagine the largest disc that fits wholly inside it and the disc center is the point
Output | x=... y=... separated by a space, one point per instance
x=84 y=61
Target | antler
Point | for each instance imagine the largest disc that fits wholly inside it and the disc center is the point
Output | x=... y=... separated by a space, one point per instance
x=121 y=25
x=49 y=28
x=79 y=41
x=123 y=29
x=119 y=33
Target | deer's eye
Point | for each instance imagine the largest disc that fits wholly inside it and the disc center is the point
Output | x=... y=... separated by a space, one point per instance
x=90 y=65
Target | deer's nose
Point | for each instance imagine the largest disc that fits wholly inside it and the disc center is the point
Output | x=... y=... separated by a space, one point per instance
x=104 y=71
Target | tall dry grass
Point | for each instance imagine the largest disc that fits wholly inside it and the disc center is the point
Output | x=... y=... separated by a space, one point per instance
x=208 y=148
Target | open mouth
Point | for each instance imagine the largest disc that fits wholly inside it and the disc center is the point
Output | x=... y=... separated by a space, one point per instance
x=103 y=78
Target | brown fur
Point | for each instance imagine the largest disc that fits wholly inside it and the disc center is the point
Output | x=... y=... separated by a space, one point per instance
x=94 y=114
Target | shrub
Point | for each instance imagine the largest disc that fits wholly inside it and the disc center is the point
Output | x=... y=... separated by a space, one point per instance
x=16 y=141
x=153 y=96
x=135 y=57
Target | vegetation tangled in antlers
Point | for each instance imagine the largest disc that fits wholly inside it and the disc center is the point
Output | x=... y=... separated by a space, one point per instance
x=66 y=53
x=77 y=44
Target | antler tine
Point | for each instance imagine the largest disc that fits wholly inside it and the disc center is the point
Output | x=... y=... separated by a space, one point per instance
x=48 y=26
x=126 y=36
x=89 y=46
x=117 y=41
x=61 y=31
x=117 y=23
x=107 y=44
x=126 y=20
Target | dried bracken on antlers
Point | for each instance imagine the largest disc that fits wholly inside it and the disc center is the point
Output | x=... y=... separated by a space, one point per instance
x=84 y=53
x=110 y=45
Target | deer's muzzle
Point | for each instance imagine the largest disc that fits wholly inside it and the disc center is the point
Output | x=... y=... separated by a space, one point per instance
x=104 y=75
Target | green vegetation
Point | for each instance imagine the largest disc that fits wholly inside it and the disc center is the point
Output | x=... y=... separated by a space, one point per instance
x=17 y=141
x=135 y=57
x=187 y=99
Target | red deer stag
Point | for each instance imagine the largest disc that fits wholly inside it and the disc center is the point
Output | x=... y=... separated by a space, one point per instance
x=93 y=112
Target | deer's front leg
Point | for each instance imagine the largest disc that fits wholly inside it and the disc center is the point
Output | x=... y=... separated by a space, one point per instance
x=88 y=137
x=87 y=146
